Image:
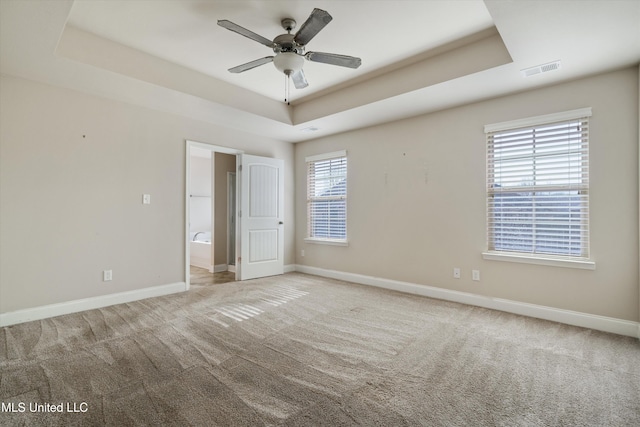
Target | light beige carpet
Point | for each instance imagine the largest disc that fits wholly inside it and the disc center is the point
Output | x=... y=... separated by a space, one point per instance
x=300 y=350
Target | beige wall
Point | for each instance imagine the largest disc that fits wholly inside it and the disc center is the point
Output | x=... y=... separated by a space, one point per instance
x=224 y=163
x=416 y=200
x=73 y=168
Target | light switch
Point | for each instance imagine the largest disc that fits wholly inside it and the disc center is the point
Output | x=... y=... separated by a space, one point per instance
x=146 y=199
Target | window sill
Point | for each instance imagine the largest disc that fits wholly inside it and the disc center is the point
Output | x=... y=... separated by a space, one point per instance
x=540 y=260
x=326 y=241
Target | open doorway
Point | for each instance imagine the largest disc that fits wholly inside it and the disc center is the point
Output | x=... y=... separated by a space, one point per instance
x=259 y=226
x=223 y=255
x=208 y=226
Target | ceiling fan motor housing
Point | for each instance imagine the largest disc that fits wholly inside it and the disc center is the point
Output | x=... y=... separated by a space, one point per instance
x=286 y=43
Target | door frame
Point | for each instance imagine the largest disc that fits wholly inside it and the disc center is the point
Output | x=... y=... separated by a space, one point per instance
x=232 y=213
x=214 y=149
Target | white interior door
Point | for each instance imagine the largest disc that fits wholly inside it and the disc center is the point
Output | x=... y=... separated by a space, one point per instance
x=260 y=214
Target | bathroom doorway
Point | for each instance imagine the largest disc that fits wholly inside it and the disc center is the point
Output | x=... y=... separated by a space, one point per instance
x=223 y=230
x=210 y=214
x=259 y=194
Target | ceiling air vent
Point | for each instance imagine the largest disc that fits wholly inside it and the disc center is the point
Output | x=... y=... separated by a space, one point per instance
x=551 y=66
x=310 y=129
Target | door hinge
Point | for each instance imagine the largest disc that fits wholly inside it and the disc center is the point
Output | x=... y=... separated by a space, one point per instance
x=239 y=168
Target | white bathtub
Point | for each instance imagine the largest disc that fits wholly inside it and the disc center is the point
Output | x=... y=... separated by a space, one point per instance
x=200 y=250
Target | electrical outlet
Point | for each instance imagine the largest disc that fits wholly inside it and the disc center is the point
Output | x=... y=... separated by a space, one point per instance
x=107 y=275
x=456 y=273
x=302 y=252
x=475 y=275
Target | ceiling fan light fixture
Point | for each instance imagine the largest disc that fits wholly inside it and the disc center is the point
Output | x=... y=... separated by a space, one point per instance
x=288 y=62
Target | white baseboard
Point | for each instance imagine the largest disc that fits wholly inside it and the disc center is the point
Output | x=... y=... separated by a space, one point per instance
x=52 y=310
x=601 y=323
x=200 y=262
x=591 y=321
x=219 y=268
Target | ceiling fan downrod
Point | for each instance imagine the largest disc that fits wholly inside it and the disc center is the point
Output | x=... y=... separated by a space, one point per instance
x=288 y=24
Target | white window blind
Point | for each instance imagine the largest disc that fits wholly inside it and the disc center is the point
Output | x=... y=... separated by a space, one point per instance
x=538 y=186
x=327 y=196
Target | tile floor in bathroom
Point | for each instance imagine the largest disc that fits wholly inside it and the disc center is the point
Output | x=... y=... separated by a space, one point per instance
x=202 y=277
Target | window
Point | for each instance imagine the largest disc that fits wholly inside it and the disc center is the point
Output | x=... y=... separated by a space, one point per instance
x=327 y=197
x=538 y=186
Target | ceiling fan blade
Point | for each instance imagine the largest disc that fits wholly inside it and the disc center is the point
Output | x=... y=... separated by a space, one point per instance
x=252 y=64
x=244 y=32
x=315 y=22
x=334 y=59
x=299 y=80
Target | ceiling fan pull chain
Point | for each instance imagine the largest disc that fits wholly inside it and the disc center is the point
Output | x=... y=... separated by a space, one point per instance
x=287 y=89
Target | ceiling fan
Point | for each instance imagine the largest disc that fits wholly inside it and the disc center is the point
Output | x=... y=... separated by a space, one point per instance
x=289 y=48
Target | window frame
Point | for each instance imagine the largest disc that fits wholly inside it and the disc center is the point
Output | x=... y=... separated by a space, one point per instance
x=575 y=261
x=336 y=155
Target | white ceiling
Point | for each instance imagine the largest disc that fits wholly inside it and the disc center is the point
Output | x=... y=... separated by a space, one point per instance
x=418 y=56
